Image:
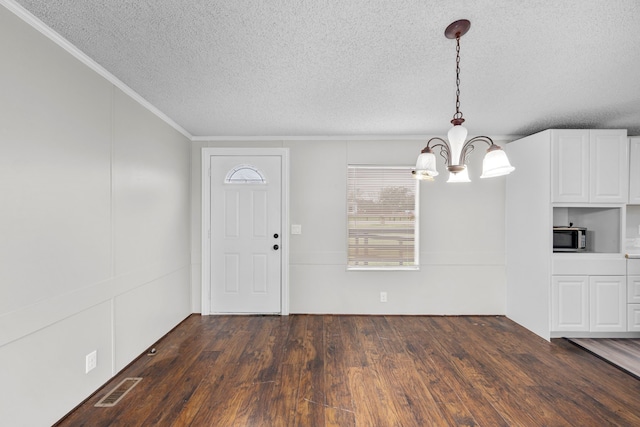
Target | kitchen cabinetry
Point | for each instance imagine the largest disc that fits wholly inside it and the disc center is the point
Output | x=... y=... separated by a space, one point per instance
x=633 y=317
x=570 y=165
x=633 y=289
x=588 y=303
x=564 y=176
x=633 y=294
x=608 y=303
x=634 y=171
x=589 y=166
x=570 y=303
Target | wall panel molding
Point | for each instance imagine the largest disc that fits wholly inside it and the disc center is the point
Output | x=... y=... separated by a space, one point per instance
x=27 y=320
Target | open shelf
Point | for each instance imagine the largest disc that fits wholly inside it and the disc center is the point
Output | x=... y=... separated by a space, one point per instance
x=603 y=226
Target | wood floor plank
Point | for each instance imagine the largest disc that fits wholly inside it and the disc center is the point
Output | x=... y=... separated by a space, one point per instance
x=175 y=399
x=417 y=389
x=253 y=371
x=220 y=395
x=270 y=402
x=461 y=398
x=312 y=370
x=415 y=403
x=382 y=397
x=311 y=400
x=339 y=410
x=596 y=384
x=294 y=362
x=474 y=358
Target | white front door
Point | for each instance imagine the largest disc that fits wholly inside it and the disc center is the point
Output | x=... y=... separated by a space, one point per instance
x=246 y=235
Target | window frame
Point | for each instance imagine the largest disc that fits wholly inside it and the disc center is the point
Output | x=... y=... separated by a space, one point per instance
x=416 y=223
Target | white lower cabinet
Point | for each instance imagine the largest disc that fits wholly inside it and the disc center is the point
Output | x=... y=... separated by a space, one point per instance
x=608 y=303
x=633 y=289
x=633 y=294
x=570 y=303
x=633 y=317
x=588 y=304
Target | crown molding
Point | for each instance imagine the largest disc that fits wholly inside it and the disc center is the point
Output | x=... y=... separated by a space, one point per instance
x=334 y=138
x=40 y=26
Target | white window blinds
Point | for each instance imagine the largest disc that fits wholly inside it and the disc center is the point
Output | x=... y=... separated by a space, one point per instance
x=382 y=218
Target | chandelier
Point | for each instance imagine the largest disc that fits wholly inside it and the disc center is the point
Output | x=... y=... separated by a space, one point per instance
x=456 y=151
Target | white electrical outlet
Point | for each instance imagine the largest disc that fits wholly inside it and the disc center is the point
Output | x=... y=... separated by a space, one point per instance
x=91 y=360
x=383 y=297
x=296 y=229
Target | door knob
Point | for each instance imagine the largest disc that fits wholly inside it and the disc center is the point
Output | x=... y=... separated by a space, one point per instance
x=275 y=236
x=276 y=247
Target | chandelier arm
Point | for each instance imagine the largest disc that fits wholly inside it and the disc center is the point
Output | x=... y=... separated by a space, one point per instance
x=444 y=153
x=436 y=138
x=445 y=150
x=468 y=146
x=484 y=139
x=464 y=154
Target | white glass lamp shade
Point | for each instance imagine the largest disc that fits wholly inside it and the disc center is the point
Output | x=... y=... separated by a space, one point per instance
x=462 y=176
x=496 y=163
x=457 y=135
x=426 y=166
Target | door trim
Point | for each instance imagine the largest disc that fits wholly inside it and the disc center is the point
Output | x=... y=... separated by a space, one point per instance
x=207 y=152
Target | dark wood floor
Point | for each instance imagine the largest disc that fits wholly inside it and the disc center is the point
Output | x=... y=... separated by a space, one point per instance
x=305 y=370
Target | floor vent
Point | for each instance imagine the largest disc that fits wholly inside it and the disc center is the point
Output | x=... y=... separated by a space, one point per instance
x=119 y=391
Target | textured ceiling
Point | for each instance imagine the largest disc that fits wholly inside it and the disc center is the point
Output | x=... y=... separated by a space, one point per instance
x=365 y=67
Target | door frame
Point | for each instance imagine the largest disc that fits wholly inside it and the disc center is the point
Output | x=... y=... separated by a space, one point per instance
x=207 y=152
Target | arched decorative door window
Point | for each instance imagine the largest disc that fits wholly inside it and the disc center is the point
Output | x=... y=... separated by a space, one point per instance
x=245 y=174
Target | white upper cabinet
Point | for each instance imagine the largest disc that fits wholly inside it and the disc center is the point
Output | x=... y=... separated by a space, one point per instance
x=634 y=171
x=609 y=157
x=570 y=165
x=589 y=166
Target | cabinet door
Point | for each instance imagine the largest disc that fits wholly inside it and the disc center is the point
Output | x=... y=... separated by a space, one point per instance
x=570 y=303
x=633 y=289
x=608 y=166
x=634 y=171
x=633 y=317
x=570 y=166
x=608 y=303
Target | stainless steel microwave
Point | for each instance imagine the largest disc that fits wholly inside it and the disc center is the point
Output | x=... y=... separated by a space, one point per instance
x=569 y=239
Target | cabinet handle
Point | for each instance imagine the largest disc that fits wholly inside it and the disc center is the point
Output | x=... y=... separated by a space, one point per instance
x=276 y=247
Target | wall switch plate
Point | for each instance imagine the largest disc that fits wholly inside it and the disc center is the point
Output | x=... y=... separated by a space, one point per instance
x=383 y=297
x=296 y=229
x=91 y=360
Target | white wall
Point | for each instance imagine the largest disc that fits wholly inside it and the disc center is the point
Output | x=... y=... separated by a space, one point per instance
x=461 y=235
x=94 y=253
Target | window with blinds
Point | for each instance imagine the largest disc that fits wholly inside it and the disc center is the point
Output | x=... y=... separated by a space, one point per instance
x=382 y=212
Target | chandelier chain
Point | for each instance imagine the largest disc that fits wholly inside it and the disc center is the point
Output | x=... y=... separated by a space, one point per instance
x=458 y=114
